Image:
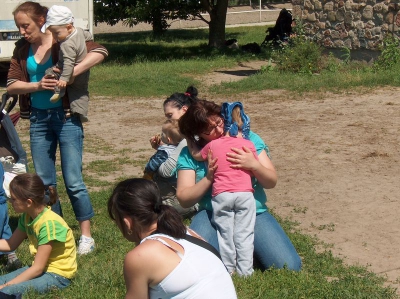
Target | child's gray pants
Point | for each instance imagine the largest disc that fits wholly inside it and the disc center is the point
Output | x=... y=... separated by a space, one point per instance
x=234 y=215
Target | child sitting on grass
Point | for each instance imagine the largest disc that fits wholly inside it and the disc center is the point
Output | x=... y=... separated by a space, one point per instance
x=169 y=139
x=51 y=241
x=5 y=231
x=233 y=203
x=60 y=21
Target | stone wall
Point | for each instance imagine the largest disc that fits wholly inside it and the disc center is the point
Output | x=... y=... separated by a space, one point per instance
x=353 y=24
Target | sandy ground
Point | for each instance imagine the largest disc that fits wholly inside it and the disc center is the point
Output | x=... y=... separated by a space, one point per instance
x=337 y=158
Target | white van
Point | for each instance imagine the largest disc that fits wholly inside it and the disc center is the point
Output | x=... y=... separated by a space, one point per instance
x=9 y=34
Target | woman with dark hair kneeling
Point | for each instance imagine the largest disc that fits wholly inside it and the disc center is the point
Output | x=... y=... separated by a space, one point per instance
x=165 y=262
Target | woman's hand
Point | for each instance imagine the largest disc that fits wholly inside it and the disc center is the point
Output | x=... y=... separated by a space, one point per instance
x=212 y=166
x=262 y=169
x=242 y=159
x=47 y=83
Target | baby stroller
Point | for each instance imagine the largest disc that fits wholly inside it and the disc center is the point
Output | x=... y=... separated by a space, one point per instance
x=282 y=29
x=12 y=155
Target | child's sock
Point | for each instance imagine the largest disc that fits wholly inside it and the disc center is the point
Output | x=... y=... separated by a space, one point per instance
x=55 y=98
x=83 y=118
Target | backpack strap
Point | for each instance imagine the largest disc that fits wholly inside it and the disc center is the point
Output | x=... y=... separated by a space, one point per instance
x=202 y=243
x=198 y=242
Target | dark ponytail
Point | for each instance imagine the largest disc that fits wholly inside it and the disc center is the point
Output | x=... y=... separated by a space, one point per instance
x=170 y=223
x=178 y=100
x=140 y=200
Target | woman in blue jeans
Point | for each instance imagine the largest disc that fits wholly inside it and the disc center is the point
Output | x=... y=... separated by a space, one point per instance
x=51 y=124
x=200 y=124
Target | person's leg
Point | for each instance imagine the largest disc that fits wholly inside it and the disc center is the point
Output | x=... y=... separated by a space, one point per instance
x=223 y=219
x=272 y=247
x=43 y=149
x=41 y=284
x=5 y=230
x=5 y=233
x=245 y=215
x=9 y=276
x=201 y=224
x=70 y=135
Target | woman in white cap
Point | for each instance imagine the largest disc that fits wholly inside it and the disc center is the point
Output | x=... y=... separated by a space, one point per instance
x=51 y=124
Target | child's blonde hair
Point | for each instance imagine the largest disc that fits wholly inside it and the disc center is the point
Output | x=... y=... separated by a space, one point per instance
x=237 y=117
x=30 y=186
x=171 y=129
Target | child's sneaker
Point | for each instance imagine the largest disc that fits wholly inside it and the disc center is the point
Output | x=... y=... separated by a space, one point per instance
x=55 y=97
x=13 y=263
x=86 y=245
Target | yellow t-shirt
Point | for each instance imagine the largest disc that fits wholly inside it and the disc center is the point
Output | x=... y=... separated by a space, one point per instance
x=46 y=227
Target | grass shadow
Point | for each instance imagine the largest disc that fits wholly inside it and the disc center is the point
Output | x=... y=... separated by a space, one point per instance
x=133 y=47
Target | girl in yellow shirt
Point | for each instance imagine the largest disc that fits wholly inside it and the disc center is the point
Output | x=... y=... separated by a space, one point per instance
x=52 y=243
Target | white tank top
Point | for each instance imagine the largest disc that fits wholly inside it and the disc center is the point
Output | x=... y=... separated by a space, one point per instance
x=200 y=274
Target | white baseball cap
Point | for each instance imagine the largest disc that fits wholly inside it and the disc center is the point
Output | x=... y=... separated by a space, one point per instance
x=58 y=15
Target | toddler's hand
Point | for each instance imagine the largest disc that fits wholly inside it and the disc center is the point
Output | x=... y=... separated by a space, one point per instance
x=62 y=83
x=155 y=141
x=212 y=165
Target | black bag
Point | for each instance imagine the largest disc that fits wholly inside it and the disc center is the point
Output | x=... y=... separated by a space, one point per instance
x=251 y=48
x=6 y=296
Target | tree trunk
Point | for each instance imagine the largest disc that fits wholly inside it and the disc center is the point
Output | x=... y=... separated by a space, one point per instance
x=216 y=36
x=157 y=22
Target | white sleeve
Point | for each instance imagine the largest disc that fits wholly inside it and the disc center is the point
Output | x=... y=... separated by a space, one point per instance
x=167 y=168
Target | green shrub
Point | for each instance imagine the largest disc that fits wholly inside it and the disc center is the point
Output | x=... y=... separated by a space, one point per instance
x=299 y=56
x=390 y=53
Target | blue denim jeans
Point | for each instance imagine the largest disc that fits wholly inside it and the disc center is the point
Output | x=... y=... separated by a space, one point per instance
x=272 y=247
x=13 y=137
x=41 y=284
x=49 y=128
x=5 y=230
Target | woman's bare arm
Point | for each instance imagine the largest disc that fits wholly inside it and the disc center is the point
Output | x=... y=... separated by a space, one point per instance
x=91 y=59
x=21 y=87
x=136 y=278
x=188 y=191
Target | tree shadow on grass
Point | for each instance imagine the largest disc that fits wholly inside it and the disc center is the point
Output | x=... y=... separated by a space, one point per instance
x=134 y=47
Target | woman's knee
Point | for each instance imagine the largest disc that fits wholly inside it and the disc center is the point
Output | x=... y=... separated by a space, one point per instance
x=272 y=246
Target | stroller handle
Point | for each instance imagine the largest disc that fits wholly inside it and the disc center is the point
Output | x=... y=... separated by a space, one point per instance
x=4 y=98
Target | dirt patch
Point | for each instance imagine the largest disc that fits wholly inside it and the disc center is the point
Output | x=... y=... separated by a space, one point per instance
x=337 y=158
x=336 y=155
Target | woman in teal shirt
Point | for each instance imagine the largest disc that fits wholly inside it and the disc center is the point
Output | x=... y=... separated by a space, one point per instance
x=200 y=125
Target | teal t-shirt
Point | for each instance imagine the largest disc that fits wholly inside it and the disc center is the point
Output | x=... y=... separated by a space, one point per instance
x=186 y=162
x=40 y=99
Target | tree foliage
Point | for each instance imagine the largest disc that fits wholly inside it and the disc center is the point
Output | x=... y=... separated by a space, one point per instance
x=155 y=12
x=159 y=12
